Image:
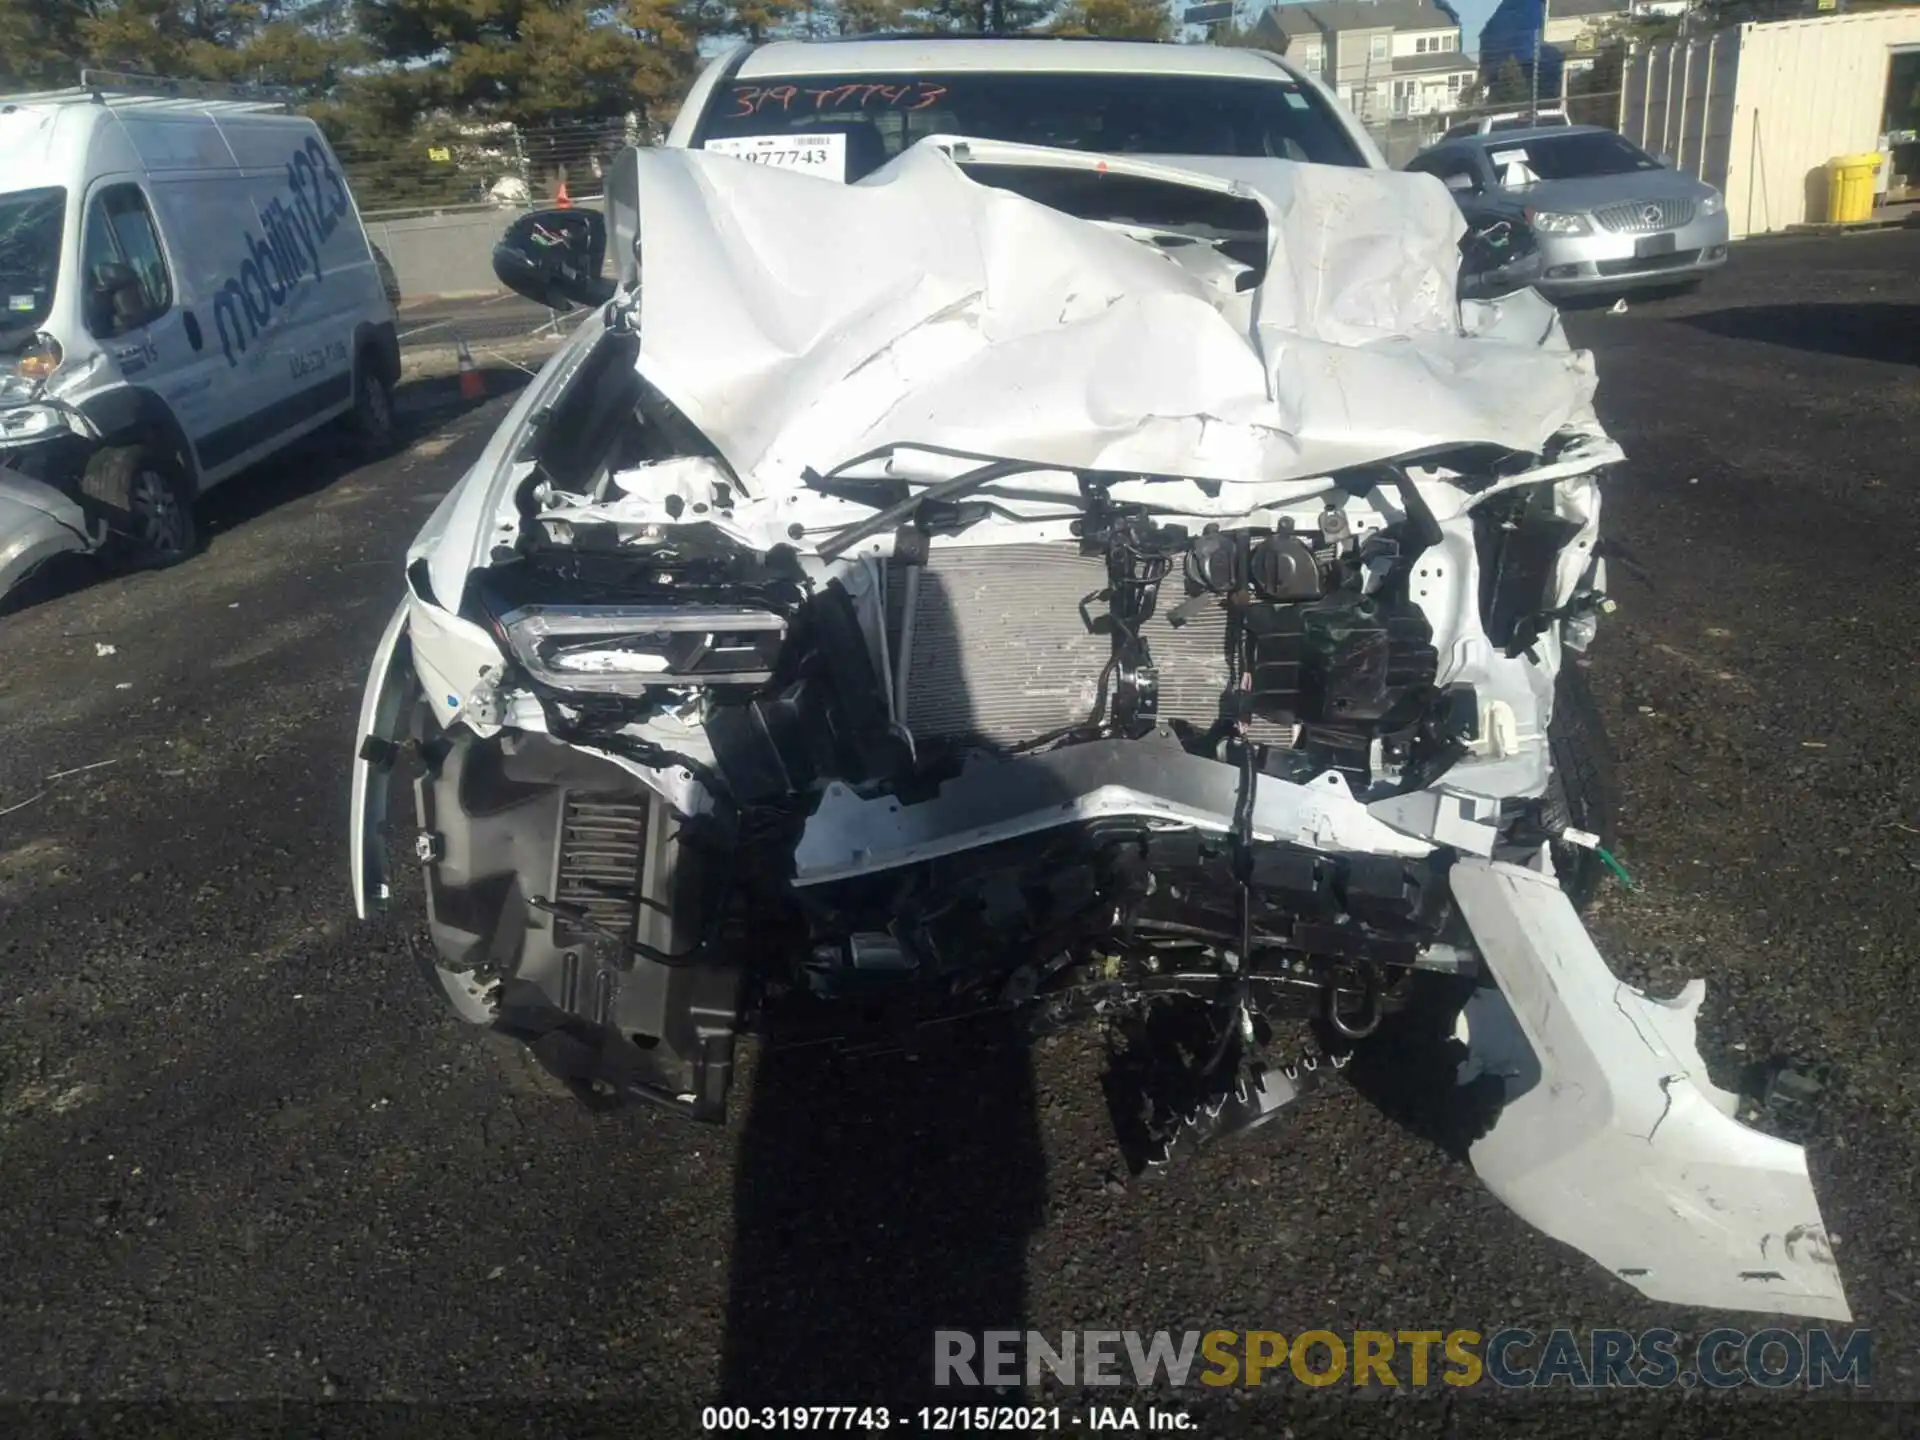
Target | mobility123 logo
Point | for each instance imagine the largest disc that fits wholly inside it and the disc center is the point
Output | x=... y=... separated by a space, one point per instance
x=1509 y=1359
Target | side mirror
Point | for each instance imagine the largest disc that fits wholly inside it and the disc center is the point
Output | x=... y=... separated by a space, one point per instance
x=117 y=301
x=1497 y=258
x=554 y=257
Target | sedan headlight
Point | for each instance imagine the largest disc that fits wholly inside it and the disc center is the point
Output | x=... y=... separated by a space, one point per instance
x=1552 y=222
x=1711 y=205
x=620 y=649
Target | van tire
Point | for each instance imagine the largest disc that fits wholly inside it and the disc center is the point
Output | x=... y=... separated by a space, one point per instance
x=142 y=493
x=370 y=424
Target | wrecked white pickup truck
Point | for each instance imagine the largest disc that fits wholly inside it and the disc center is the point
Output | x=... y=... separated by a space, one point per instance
x=1026 y=578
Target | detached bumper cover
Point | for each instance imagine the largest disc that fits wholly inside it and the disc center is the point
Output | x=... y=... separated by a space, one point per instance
x=390 y=689
x=1613 y=1139
x=37 y=522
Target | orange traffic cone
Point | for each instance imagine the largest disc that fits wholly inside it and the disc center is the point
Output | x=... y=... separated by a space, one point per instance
x=562 y=200
x=473 y=385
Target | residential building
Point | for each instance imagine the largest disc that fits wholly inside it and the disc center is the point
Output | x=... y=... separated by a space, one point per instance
x=1382 y=57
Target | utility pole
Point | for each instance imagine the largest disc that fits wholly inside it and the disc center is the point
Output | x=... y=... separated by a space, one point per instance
x=1539 y=35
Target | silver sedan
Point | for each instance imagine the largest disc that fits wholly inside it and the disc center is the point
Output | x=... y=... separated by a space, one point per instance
x=1606 y=215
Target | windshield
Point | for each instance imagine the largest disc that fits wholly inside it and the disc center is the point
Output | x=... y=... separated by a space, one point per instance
x=30 y=226
x=1570 y=157
x=869 y=119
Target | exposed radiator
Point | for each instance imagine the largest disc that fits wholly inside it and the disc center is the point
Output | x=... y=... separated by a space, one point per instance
x=599 y=863
x=1000 y=650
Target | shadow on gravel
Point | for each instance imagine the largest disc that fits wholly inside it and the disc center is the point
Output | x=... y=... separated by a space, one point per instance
x=305 y=468
x=879 y=1199
x=1887 y=332
x=420 y=407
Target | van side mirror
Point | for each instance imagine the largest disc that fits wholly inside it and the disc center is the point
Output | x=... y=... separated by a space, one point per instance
x=554 y=257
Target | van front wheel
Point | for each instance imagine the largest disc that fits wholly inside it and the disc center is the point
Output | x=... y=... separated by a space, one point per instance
x=370 y=421
x=143 y=495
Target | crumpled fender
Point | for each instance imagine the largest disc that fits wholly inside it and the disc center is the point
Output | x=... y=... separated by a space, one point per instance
x=37 y=522
x=383 y=708
x=1613 y=1139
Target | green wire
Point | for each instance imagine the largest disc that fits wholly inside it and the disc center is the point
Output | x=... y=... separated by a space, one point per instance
x=1617 y=868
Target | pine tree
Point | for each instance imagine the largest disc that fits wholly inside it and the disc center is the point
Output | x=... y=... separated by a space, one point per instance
x=1115 y=19
x=983 y=17
x=1510 y=85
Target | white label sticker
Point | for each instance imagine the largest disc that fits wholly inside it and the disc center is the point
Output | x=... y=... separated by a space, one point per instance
x=20 y=302
x=1509 y=157
x=821 y=155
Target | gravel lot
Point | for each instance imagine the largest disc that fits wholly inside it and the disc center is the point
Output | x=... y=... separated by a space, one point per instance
x=244 y=1155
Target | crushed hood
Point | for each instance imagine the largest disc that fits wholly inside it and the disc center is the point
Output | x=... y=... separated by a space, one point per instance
x=799 y=322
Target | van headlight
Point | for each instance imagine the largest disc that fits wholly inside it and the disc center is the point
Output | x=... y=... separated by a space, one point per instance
x=31 y=422
x=622 y=649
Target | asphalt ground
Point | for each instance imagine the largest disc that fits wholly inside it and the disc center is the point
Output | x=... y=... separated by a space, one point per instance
x=244 y=1156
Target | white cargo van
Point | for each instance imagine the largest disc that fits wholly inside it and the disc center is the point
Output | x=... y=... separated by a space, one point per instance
x=185 y=288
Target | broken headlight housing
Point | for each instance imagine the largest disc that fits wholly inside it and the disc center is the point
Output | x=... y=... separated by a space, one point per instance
x=616 y=649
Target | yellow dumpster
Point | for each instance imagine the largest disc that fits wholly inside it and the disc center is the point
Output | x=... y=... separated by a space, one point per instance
x=1850 y=187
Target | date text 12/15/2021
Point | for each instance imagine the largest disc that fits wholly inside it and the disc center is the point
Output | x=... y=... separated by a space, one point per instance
x=943 y=1419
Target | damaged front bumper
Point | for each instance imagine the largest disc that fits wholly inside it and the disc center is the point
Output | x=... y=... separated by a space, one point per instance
x=1613 y=1139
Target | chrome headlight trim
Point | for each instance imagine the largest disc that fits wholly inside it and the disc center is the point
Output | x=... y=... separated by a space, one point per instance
x=623 y=649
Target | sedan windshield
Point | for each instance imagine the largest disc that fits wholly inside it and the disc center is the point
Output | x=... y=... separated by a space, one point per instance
x=30 y=226
x=1571 y=157
x=881 y=115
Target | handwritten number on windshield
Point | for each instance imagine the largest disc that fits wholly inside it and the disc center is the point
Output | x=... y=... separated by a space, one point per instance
x=750 y=100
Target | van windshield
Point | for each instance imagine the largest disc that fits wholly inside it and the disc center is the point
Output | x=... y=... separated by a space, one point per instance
x=30 y=226
x=881 y=115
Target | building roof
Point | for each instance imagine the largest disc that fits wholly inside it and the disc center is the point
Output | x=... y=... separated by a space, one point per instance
x=1323 y=15
x=1435 y=62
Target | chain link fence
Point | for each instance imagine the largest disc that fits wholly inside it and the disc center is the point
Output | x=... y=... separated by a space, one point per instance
x=436 y=200
x=446 y=164
x=1401 y=137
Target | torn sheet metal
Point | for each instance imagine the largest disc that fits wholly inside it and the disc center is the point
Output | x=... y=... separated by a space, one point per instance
x=1613 y=1139
x=994 y=799
x=800 y=324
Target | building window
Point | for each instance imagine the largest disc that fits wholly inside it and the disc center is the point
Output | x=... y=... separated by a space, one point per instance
x=1449 y=42
x=1381 y=44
